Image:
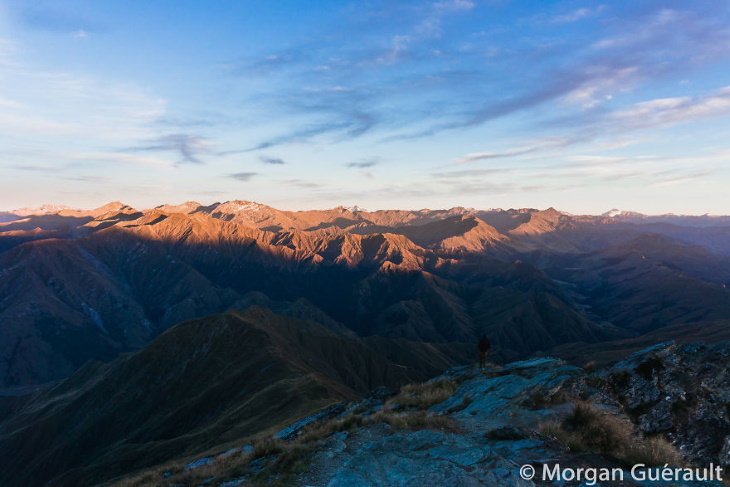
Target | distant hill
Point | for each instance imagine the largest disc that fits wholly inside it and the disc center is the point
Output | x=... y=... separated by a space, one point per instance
x=201 y=384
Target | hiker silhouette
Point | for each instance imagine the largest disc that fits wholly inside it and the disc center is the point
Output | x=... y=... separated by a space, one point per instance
x=484 y=347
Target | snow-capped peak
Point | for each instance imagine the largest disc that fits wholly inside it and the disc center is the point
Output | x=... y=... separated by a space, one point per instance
x=45 y=209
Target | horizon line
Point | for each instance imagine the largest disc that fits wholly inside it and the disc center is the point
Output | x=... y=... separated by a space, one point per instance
x=360 y=209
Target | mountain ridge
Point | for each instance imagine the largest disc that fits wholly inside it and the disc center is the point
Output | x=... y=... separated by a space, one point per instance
x=113 y=278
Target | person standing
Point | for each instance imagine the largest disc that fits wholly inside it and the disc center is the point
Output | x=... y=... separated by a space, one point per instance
x=484 y=347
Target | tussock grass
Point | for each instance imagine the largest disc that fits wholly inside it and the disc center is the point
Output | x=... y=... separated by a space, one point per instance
x=178 y=476
x=398 y=420
x=265 y=447
x=594 y=430
x=423 y=395
x=321 y=431
x=286 y=461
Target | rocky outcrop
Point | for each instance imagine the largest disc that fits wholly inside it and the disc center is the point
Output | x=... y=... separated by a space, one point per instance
x=682 y=391
x=495 y=416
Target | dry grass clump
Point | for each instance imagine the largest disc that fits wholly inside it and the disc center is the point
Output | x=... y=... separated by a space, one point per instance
x=265 y=447
x=231 y=464
x=544 y=398
x=222 y=467
x=283 y=471
x=591 y=429
x=423 y=395
x=319 y=431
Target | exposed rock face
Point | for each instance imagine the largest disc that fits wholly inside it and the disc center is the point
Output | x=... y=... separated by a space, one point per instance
x=485 y=448
x=683 y=391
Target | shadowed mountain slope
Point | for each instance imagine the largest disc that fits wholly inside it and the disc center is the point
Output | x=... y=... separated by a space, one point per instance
x=649 y=283
x=604 y=353
x=112 y=290
x=203 y=383
x=78 y=285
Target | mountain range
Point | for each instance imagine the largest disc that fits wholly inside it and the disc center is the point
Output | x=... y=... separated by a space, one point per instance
x=77 y=285
x=130 y=338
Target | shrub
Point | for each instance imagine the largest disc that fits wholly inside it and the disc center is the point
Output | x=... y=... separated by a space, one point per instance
x=591 y=429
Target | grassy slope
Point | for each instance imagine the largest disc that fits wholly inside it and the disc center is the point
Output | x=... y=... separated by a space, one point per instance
x=204 y=384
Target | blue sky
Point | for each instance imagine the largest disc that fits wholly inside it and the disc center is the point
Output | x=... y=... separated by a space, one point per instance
x=580 y=105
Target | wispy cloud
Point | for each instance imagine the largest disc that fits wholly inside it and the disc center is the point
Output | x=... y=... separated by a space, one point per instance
x=683 y=178
x=35 y=168
x=60 y=123
x=427 y=28
x=116 y=157
x=527 y=147
x=39 y=105
x=641 y=116
x=88 y=179
x=575 y=15
x=188 y=147
x=272 y=160
x=244 y=176
x=602 y=88
x=348 y=124
x=187 y=122
x=344 y=85
x=480 y=156
x=303 y=183
x=663 y=112
x=266 y=64
x=364 y=163
x=652 y=46
x=473 y=173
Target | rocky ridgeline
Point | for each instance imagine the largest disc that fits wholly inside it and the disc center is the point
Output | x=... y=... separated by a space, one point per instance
x=473 y=427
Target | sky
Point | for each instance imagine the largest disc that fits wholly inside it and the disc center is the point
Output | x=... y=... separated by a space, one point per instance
x=583 y=105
